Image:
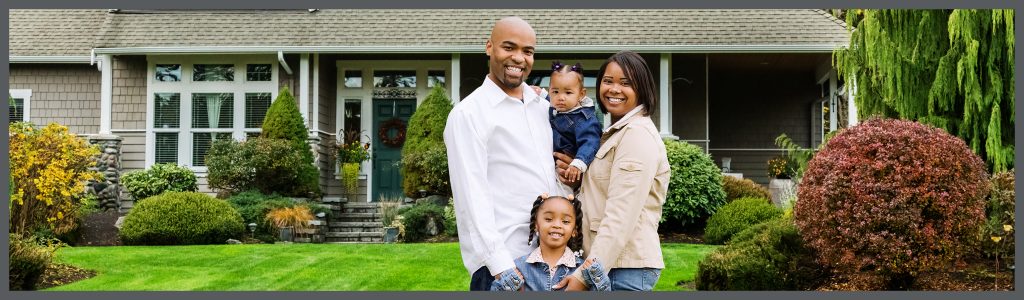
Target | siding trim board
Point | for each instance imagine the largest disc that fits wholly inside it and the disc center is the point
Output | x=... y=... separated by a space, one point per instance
x=807 y=48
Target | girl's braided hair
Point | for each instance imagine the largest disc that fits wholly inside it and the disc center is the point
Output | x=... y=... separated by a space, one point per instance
x=576 y=241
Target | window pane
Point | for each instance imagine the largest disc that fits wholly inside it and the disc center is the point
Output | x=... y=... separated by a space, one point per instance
x=353 y=79
x=167 y=147
x=213 y=73
x=352 y=120
x=168 y=72
x=16 y=110
x=435 y=77
x=201 y=142
x=166 y=110
x=394 y=79
x=212 y=110
x=249 y=135
x=260 y=72
x=256 y=105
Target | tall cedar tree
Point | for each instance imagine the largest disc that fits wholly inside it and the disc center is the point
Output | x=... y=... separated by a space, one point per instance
x=951 y=68
x=284 y=121
x=426 y=133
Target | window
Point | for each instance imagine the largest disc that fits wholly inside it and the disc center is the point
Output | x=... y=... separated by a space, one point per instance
x=186 y=119
x=353 y=79
x=391 y=79
x=17 y=107
x=213 y=72
x=435 y=78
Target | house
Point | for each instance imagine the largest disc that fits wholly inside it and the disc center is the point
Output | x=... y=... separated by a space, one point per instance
x=164 y=83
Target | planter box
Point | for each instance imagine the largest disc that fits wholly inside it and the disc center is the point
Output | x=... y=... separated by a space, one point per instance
x=781 y=190
x=390 y=234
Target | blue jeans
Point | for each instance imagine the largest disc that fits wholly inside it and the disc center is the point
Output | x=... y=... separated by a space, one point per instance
x=640 y=279
x=481 y=280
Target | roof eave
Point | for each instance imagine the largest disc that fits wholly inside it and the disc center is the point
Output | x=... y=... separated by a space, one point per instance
x=67 y=59
x=800 y=48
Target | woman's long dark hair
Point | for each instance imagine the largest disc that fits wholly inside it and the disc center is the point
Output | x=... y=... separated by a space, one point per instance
x=576 y=240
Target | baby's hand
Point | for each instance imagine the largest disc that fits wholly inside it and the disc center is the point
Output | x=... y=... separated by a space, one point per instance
x=573 y=173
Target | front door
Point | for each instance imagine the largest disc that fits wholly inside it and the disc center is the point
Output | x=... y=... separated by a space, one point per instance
x=390 y=119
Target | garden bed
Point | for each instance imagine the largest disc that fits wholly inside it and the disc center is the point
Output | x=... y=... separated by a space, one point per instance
x=975 y=274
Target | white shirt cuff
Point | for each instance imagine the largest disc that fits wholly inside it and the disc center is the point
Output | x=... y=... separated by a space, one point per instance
x=499 y=261
x=579 y=164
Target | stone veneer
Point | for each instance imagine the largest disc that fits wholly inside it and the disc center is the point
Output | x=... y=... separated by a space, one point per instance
x=108 y=190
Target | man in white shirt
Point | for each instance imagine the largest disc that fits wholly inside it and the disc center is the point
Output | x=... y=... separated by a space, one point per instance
x=500 y=157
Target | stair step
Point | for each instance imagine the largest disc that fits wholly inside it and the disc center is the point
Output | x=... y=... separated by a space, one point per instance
x=356 y=224
x=355 y=234
x=334 y=200
x=355 y=242
x=362 y=204
x=358 y=215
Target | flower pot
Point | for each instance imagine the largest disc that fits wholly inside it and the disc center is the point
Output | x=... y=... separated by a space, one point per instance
x=390 y=234
x=781 y=191
x=286 y=234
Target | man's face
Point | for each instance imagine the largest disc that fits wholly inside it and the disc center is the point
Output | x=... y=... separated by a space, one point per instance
x=511 y=50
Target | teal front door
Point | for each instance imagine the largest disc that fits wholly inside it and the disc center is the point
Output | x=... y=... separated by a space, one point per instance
x=392 y=116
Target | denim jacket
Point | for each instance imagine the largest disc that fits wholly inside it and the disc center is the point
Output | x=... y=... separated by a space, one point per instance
x=577 y=132
x=537 y=277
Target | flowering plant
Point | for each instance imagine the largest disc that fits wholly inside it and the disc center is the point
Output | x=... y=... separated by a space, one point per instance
x=352 y=150
x=778 y=167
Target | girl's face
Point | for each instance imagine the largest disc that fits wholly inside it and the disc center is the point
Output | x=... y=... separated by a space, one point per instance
x=616 y=92
x=566 y=91
x=556 y=223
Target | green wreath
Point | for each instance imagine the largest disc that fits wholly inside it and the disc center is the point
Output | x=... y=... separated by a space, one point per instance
x=385 y=129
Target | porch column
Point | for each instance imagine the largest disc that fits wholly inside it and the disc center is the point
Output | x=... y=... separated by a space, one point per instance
x=316 y=93
x=851 y=105
x=456 y=78
x=665 y=96
x=833 y=104
x=106 y=93
x=303 y=89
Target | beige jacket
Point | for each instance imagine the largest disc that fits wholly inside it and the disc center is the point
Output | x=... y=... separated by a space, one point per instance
x=622 y=194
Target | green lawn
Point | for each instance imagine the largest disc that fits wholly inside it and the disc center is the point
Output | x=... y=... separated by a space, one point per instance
x=315 y=267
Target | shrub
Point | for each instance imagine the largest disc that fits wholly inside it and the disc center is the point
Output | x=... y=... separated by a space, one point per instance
x=450 y=225
x=266 y=165
x=896 y=197
x=29 y=258
x=695 y=186
x=181 y=218
x=424 y=156
x=767 y=256
x=1000 y=209
x=743 y=188
x=737 y=216
x=49 y=169
x=296 y=217
x=419 y=219
x=159 y=178
x=284 y=121
x=254 y=206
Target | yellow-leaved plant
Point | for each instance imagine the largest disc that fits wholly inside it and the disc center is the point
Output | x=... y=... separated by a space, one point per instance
x=49 y=169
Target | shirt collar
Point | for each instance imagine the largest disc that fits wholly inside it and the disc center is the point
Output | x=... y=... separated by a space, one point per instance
x=568 y=259
x=625 y=119
x=497 y=95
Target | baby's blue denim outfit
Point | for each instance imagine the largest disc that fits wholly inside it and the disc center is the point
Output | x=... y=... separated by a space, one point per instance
x=576 y=132
x=537 y=278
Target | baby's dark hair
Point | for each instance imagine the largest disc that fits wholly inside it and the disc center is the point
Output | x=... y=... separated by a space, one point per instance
x=576 y=240
x=559 y=67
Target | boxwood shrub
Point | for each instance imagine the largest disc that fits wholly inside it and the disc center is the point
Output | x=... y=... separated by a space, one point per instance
x=695 y=186
x=737 y=216
x=159 y=178
x=417 y=220
x=742 y=188
x=767 y=256
x=181 y=218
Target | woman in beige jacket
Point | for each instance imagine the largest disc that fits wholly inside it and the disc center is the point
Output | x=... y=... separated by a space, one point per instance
x=624 y=188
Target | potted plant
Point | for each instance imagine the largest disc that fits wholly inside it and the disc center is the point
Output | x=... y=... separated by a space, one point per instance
x=351 y=153
x=390 y=219
x=781 y=186
x=290 y=220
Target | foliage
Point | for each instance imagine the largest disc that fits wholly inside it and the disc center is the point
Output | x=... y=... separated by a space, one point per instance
x=29 y=258
x=284 y=121
x=742 y=188
x=796 y=156
x=266 y=165
x=695 y=186
x=49 y=169
x=997 y=238
x=417 y=220
x=350 y=178
x=351 y=150
x=424 y=156
x=894 y=196
x=159 y=178
x=768 y=256
x=450 y=225
x=780 y=168
x=952 y=69
x=181 y=218
x=737 y=216
x=254 y=206
x=389 y=207
x=295 y=217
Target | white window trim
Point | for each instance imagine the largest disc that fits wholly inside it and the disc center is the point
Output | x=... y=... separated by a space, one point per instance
x=26 y=96
x=186 y=87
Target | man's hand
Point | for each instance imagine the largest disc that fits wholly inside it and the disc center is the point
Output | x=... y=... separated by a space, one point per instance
x=562 y=162
x=571 y=284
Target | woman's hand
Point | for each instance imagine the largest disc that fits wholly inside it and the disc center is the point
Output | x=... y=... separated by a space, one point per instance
x=571 y=284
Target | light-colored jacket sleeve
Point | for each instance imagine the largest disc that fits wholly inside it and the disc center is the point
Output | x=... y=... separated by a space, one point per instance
x=633 y=167
x=467 y=164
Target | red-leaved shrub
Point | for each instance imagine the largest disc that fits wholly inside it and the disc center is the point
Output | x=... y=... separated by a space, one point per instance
x=894 y=197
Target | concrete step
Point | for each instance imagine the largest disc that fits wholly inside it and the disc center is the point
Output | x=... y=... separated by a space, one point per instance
x=356 y=224
x=359 y=240
x=362 y=204
x=355 y=234
x=334 y=200
x=357 y=215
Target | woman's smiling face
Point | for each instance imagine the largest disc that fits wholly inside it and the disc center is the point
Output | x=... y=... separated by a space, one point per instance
x=616 y=92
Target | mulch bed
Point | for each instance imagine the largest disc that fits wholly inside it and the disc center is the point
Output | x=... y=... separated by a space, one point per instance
x=61 y=274
x=975 y=274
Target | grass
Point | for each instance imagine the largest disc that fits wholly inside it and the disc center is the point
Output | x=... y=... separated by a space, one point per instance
x=310 y=267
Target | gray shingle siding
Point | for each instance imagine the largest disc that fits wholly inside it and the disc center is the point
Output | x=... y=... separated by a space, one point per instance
x=128 y=106
x=62 y=93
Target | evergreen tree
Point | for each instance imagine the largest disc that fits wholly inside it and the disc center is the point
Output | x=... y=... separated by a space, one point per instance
x=424 y=156
x=951 y=69
x=284 y=121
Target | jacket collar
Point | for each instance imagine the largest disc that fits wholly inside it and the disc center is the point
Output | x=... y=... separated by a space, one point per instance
x=496 y=95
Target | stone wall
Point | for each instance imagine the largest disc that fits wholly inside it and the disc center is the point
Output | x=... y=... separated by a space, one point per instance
x=108 y=163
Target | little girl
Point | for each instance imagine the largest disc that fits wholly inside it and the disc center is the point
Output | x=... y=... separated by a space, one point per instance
x=577 y=131
x=555 y=222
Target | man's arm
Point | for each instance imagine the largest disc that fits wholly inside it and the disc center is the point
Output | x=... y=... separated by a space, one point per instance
x=467 y=165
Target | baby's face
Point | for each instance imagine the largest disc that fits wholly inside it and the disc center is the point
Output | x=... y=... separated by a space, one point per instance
x=566 y=91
